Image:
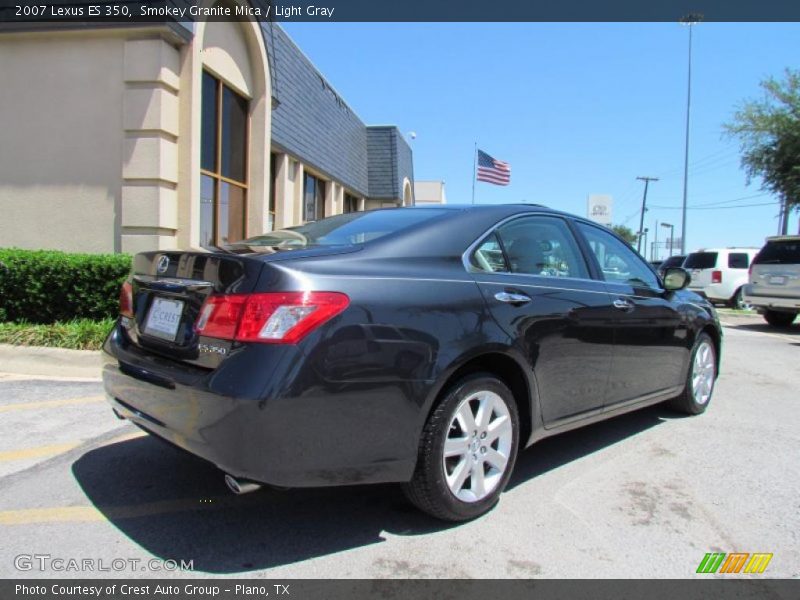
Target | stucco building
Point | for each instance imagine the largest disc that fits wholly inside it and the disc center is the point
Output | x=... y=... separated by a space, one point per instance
x=122 y=138
x=429 y=192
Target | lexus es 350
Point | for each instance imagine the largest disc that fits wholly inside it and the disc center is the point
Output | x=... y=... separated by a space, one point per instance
x=424 y=346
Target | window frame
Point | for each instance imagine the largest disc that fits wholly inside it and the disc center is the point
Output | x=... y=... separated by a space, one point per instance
x=747 y=260
x=589 y=265
x=319 y=200
x=216 y=176
x=592 y=257
x=348 y=196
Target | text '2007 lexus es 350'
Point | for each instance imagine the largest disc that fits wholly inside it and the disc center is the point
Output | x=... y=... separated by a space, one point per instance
x=424 y=346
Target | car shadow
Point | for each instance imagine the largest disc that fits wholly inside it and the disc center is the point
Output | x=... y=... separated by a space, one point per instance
x=562 y=449
x=177 y=507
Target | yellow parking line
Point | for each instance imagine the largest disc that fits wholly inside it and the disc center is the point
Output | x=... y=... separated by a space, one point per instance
x=53 y=449
x=50 y=403
x=63 y=514
x=77 y=514
x=37 y=452
x=125 y=437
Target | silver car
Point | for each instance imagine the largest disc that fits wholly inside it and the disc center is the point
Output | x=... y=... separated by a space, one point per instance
x=774 y=281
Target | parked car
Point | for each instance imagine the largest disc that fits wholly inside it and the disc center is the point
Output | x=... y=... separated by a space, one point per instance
x=720 y=274
x=672 y=261
x=423 y=346
x=774 y=288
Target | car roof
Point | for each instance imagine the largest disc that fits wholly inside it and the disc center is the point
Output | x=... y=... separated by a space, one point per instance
x=468 y=223
x=728 y=249
x=495 y=209
x=784 y=238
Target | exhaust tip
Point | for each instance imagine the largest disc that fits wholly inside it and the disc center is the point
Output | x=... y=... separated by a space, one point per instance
x=241 y=486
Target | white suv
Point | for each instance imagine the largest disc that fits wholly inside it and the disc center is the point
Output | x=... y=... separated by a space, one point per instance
x=774 y=288
x=720 y=274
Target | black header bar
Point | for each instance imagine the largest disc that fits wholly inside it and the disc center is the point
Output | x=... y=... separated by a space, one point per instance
x=159 y=11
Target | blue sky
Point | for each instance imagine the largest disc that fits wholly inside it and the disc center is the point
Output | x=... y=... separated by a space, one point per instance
x=575 y=108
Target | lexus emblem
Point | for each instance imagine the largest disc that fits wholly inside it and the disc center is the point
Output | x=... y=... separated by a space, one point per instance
x=163 y=264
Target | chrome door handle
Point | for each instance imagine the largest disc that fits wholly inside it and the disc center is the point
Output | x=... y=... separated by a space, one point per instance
x=512 y=298
x=622 y=304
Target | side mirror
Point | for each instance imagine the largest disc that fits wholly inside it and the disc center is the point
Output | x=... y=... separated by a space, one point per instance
x=676 y=278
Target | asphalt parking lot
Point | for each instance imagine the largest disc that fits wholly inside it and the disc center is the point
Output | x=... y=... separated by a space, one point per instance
x=644 y=495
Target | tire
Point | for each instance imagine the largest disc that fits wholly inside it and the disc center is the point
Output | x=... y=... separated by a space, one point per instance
x=447 y=488
x=700 y=379
x=738 y=301
x=779 y=319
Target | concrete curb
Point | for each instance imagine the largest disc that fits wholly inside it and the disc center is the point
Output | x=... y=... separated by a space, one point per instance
x=737 y=315
x=50 y=362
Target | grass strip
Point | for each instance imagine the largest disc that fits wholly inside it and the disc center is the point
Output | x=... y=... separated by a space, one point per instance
x=79 y=334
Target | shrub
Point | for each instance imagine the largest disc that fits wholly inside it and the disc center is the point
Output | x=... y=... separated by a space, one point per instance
x=45 y=286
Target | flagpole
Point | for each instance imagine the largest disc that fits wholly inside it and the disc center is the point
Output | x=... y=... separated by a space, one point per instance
x=474 y=170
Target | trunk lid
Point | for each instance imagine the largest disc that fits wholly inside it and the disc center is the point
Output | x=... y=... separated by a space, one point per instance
x=776 y=268
x=169 y=289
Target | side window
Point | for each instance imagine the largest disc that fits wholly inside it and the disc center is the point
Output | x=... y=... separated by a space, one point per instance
x=489 y=256
x=618 y=262
x=738 y=260
x=542 y=246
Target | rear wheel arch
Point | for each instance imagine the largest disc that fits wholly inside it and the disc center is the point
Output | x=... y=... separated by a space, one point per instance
x=716 y=338
x=506 y=369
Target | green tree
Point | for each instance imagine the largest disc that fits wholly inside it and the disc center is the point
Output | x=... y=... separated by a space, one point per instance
x=768 y=131
x=626 y=233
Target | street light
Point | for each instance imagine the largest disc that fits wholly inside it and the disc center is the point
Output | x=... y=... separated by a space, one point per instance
x=690 y=21
x=671 y=228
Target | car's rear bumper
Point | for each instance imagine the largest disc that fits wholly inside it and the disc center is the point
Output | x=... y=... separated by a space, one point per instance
x=262 y=416
x=791 y=303
x=713 y=292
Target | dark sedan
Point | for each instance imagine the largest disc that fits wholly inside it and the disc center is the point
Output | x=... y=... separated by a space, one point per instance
x=415 y=345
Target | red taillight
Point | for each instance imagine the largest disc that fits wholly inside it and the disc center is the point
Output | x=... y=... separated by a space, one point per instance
x=716 y=277
x=219 y=316
x=275 y=317
x=126 y=300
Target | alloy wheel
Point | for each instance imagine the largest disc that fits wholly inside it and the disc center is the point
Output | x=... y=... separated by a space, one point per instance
x=703 y=371
x=478 y=446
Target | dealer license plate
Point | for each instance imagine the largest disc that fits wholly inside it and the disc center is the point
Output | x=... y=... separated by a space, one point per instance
x=164 y=318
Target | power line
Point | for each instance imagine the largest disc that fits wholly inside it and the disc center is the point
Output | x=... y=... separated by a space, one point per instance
x=716 y=202
x=631 y=216
x=723 y=154
x=720 y=207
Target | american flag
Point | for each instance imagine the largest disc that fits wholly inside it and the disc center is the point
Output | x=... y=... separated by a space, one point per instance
x=492 y=170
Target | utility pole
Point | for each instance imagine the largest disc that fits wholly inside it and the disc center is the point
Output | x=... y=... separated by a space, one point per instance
x=647 y=181
x=783 y=224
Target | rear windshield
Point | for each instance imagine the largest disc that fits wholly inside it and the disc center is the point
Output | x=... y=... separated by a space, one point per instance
x=673 y=261
x=344 y=230
x=701 y=260
x=783 y=252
